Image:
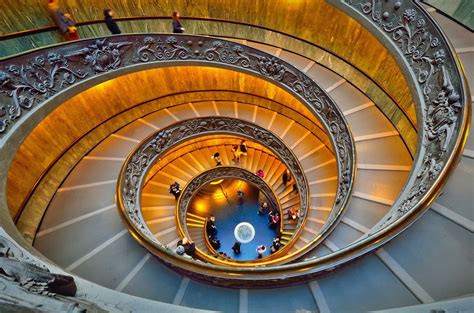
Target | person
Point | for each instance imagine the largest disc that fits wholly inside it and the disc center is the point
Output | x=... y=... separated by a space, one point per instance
x=217 y=157
x=295 y=188
x=222 y=255
x=270 y=217
x=276 y=245
x=260 y=173
x=71 y=33
x=189 y=246
x=175 y=190
x=263 y=208
x=211 y=228
x=236 y=247
x=286 y=177
x=181 y=251
x=275 y=220
x=236 y=152
x=109 y=21
x=261 y=250
x=215 y=243
x=177 y=27
x=240 y=196
x=293 y=214
x=243 y=148
x=63 y=21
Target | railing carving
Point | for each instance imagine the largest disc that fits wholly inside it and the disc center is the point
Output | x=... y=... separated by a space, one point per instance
x=441 y=118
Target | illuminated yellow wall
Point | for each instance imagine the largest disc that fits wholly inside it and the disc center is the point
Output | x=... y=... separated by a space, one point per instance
x=87 y=110
x=314 y=21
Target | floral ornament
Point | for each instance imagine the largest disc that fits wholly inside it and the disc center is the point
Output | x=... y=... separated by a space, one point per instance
x=225 y=53
x=409 y=15
x=103 y=55
x=439 y=57
x=157 y=50
x=426 y=54
x=271 y=67
x=33 y=82
x=308 y=89
x=420 y=23
x=171 y=40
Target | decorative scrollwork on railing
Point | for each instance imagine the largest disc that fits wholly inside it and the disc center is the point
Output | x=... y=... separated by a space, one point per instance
x=31 y=79
x=217 y=173
x=143 y=157
x=437 y=76
x=29 y=84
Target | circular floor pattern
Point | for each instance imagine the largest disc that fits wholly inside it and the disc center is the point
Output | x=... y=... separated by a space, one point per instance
x=230 y=211
x=244 y=232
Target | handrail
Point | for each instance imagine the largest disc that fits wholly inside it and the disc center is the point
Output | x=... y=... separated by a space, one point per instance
x=184 y=233
x=19 y=215
x=443 y=100
x=121 y=19
x=438 y=83
x=439 y=9
x=71 y=66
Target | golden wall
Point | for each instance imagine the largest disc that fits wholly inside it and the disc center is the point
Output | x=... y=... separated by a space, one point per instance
x=89 y=109
x=314 y=21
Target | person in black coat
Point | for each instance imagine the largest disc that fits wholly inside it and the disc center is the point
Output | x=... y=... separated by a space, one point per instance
x=177 y=27
x=236 y=247
x=109 y=21
x=211 y=227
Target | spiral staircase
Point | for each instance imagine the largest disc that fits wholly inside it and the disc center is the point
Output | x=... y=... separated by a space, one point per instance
x=84 y=197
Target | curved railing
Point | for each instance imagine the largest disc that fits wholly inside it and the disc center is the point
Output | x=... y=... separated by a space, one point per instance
x=436 y=81
x=142 y=159
x=44 y=77
x=202 y=179
x=223 y=141
x=442 y=98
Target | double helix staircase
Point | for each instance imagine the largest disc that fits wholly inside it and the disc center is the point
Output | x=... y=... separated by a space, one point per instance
x=383 y=162
x=82 y=232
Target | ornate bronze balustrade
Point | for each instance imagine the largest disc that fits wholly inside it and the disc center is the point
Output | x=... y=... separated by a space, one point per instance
x=32 y=84
x=442 y=96
x=32 y=80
